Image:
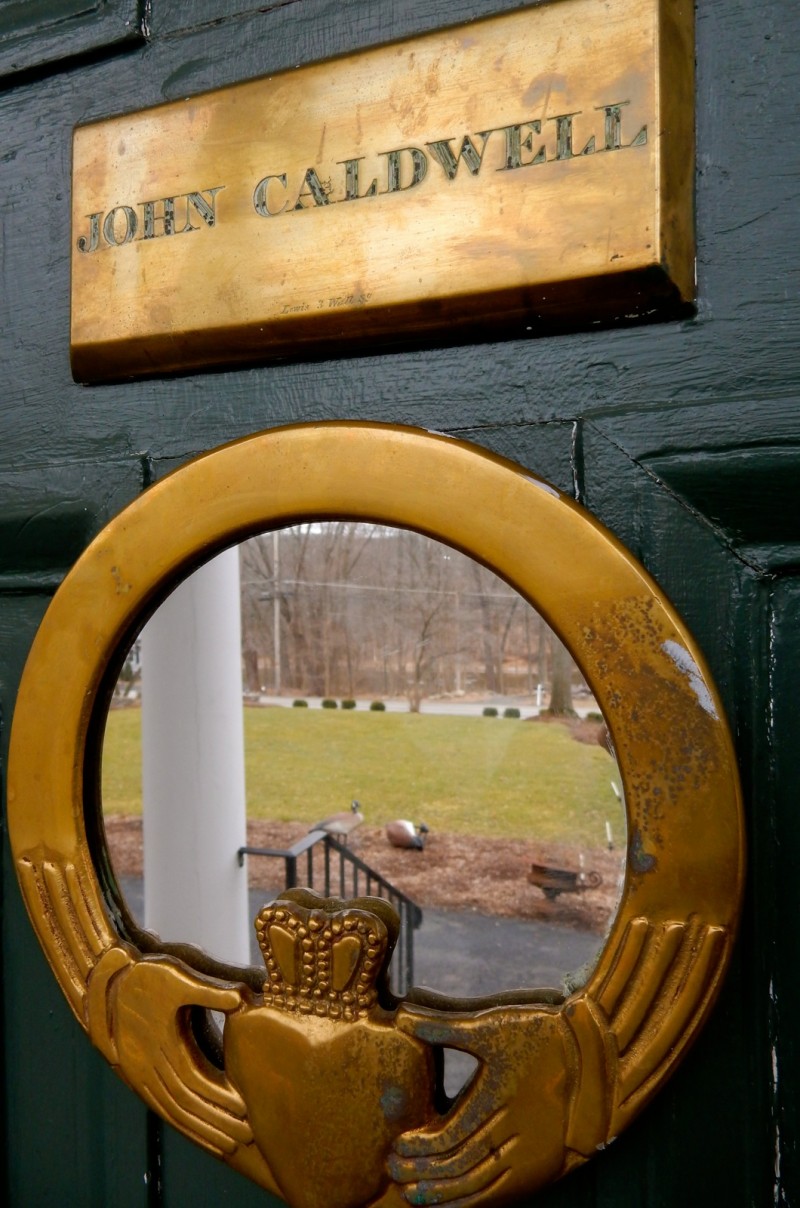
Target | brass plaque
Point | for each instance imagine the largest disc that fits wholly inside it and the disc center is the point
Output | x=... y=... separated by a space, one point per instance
x=528 y=170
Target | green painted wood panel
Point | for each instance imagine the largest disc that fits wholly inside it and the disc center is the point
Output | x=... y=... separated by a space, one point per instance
x=38 y=33
x=779 y=949
x=69 y=1122
x=193 y=1177
x=683 y=437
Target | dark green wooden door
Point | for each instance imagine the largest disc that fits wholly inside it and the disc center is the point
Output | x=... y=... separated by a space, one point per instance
x=684 y=438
